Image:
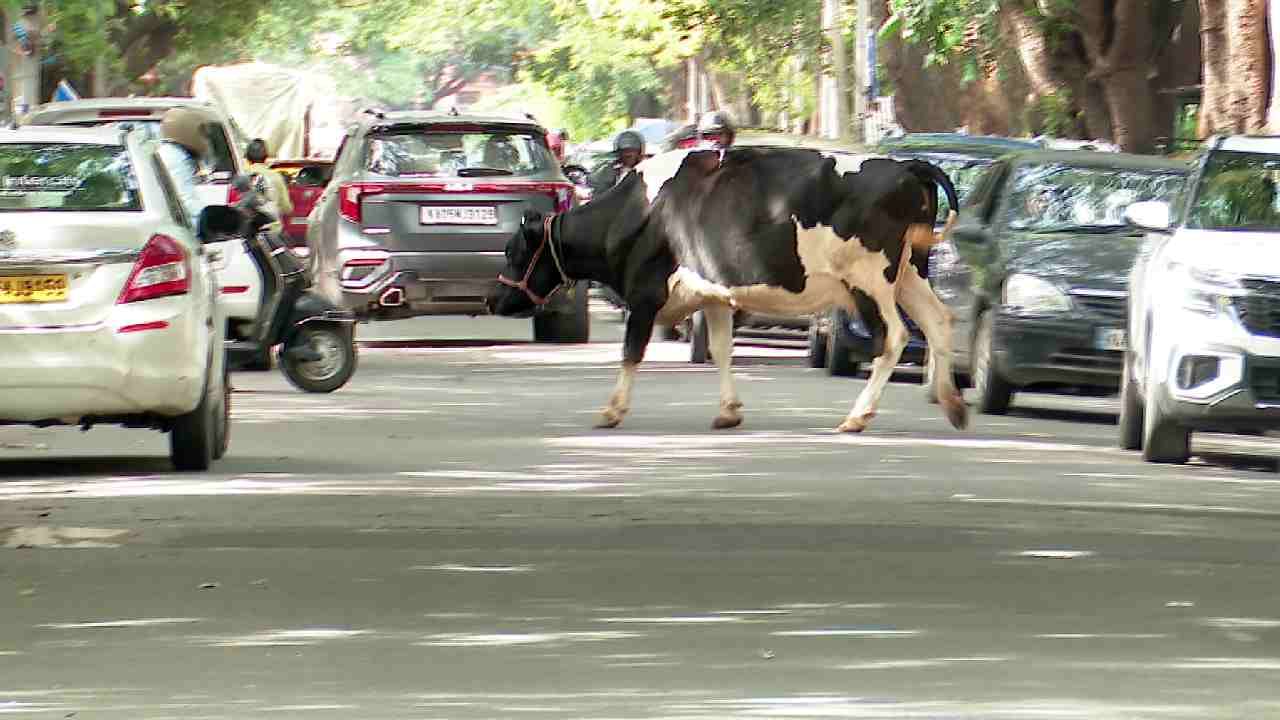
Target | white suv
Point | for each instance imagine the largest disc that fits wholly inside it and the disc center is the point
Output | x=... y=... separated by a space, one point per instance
x=1204 y=305
x=108 y=310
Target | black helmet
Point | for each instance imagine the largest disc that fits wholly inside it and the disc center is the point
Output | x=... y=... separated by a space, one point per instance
x=628 y=140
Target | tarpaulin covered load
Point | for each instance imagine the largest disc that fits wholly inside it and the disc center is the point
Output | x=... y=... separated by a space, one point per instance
x=294 y=111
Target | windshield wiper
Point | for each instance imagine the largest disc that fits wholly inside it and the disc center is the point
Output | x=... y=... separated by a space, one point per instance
x=1094 y=229
x=483 y=172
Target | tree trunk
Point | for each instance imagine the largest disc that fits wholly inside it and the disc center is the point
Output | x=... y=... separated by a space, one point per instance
x=1117 y=41
x=1273 y=109
x=1214 y=115
x=1249 y=79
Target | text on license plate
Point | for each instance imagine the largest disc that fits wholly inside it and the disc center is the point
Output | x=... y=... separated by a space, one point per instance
x=33 y=288
x=459 y=215
x=1111 y=339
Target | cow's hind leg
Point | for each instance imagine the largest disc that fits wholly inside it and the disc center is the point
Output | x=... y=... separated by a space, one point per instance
x=881 y=299
x=720 y=328
x=934 y=319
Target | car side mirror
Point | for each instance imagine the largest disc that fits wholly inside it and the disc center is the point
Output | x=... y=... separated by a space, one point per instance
x=1150 y=215
x=971 y=234
x=216 y=221
x=311 y=176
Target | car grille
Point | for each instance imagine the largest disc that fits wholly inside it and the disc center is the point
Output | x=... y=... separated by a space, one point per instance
x=1088 y=359
x=1101 y=303
x=1259 y=309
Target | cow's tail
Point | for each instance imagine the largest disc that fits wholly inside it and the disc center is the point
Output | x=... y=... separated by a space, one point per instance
x=933 y=177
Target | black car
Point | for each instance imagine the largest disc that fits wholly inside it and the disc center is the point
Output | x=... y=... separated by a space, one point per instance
x=963 y=158
x=1036 y=269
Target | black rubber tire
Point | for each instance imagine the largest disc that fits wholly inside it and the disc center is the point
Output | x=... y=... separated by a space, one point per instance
x=699 y=339
x=222 y=440
x=1131 y=410
x=567 y=324
x=927 y=387
x=839 y=360
x=1163 y=439
x=337 y=342
x=994 y=393
x=194 y=437
x=817 y=345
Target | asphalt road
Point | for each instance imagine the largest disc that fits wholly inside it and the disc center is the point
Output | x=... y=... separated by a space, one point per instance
x=447 y=537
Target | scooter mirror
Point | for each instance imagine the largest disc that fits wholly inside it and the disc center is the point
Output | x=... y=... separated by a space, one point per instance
x=216 y=220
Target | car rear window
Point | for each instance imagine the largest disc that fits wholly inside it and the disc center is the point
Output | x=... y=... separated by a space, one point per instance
x=221 y=156
x=469 y=153
x=67 y=177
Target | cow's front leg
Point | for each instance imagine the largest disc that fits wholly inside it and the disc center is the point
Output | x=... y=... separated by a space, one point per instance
x=720 y=342
x=639 y=330
x=895 y=340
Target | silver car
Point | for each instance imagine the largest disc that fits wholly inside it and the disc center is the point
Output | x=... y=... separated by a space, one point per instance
x=416 y=217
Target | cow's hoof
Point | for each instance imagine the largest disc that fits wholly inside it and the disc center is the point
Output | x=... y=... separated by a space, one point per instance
x=855 y=425
x=609 y=418
x=724 y=422
x=957 y=412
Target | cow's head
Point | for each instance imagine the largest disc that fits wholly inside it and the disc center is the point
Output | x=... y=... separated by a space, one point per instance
x=533 y=272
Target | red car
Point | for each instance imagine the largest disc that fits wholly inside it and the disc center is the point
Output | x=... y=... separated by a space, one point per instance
x=306 y=180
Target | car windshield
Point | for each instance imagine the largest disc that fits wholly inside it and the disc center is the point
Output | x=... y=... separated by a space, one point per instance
x=457 y=153
x=1237 y=192
x=67 y=177
x=1055 y=197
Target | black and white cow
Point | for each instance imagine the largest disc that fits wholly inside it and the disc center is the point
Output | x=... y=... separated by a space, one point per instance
x=779 y=231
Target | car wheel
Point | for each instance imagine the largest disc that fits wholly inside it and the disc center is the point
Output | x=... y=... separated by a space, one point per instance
x=993 y=391
x=817 y=344
x=223 y=436
x=337 y=360
x=1163 y=439
x=1131 y=410
x=840 y=362
x=699 y=338
x=930 y=391
x=194 y=437
x=568 y=324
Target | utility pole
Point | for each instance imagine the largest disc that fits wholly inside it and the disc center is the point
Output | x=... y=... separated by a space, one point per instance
x=862 y=72
x=833 y=20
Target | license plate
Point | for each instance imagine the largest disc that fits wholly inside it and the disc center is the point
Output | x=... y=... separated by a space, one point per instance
x=459 y=215
x=33 y=288
x=1111 y=339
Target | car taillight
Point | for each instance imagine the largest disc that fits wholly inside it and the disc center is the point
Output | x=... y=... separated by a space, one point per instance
x=161 y=270
x=349 y=196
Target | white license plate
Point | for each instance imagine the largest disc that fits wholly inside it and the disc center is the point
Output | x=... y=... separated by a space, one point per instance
x=459 y=215
x=1111 y=339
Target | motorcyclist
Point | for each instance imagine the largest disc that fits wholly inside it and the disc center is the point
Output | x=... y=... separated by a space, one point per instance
x=715 y=129
x=269 y=183
x=628 y=151
x=185 y=143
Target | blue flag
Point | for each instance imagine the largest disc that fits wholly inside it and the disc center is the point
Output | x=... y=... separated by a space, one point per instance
x=64 y=91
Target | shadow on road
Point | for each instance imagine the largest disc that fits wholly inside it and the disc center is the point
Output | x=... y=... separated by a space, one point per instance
x=1092 y=417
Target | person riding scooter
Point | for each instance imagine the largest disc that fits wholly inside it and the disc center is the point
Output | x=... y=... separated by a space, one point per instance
x=185 y=142
x=316 y=336
x=628 y=151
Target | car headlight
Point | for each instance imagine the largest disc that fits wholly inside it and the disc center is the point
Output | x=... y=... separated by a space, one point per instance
x=1028 y=293
x=1207 y=292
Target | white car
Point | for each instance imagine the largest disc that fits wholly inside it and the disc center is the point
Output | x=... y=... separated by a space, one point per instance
x=240 y=281
x=1204 y=305
x=108 y=305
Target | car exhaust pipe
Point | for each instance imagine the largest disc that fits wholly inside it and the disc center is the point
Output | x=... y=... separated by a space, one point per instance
x=391 y=297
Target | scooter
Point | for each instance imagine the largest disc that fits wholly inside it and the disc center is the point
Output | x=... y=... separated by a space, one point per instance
x=316 y=337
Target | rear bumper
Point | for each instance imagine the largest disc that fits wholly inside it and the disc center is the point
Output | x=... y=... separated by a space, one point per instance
x=68 y=373
x=428 y=284
x=1063 y=351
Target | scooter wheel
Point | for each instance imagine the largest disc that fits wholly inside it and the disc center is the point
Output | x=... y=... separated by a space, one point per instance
x=334 y=366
